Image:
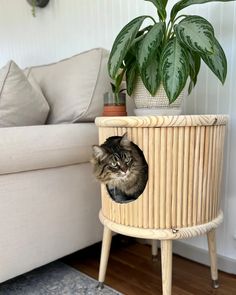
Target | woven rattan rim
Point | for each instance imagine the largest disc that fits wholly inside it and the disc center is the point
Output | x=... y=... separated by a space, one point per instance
x=162 y=234
x=162 y=121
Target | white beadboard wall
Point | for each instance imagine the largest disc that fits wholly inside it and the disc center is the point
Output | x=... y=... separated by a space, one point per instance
x=66 y=27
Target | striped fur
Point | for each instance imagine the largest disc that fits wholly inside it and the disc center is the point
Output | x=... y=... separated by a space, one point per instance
x=120 y=164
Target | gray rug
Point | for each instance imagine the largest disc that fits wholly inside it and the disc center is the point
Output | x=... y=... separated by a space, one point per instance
x=54 y=279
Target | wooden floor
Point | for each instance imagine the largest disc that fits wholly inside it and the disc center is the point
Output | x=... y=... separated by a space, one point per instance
x=132 y=271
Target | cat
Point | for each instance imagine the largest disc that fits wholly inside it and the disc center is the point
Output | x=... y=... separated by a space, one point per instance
x=121 y=165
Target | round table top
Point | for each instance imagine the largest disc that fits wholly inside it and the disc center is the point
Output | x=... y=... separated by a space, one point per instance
x=162 y=121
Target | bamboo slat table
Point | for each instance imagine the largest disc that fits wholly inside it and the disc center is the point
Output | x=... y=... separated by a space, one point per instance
x=181 y=199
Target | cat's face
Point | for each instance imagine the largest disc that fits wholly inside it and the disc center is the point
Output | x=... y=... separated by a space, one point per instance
x=119 y=163
x=113 y=159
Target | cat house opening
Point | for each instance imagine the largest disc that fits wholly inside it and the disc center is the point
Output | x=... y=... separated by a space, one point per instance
x=121 y=165
x=120 y=197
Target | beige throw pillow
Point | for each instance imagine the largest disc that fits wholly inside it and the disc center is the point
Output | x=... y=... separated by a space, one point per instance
x=21 y=100
x=74 y=87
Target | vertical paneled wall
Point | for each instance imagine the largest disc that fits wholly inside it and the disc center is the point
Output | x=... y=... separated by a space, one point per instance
x=67 y=27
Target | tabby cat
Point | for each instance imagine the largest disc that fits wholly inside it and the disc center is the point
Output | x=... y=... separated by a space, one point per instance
x=120 y=164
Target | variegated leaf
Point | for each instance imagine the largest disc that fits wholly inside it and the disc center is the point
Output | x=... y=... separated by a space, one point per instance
x=150 y=74
x=122 y=44
x=196 y=33
x=217 y=61
x=150 y=43
x=118 y=80
x=174 y=68
x=194 y=67
x=129 y=59
x=131 y=77
x=185 y=3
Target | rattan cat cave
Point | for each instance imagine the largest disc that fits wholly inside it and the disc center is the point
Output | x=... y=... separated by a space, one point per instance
x=181 y=199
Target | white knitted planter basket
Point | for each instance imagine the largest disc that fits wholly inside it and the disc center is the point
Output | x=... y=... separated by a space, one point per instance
x=146 y=104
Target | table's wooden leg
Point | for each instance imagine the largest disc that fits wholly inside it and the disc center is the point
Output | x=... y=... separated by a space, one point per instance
x=106 y=244
x=166 y=266
x=211 y=237
x=154 y=250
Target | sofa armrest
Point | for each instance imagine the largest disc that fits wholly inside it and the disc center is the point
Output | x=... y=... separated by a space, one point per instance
x=45 y=146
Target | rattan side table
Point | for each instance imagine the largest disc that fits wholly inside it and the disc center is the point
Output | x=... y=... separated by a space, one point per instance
x=181 y=199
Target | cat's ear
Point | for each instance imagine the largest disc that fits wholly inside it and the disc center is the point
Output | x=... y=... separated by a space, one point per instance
x=125 y=142
x=98 y=152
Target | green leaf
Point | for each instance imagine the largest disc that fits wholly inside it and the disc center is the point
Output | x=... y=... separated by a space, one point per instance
x=217 y=61
x=122 y=44
x=118 y=81
x=194 y=67
x=190 y=87
x=134 y=48
x=129 y=59
x=160 y=5
x=174 y=66
x=150 y=75
x=113 y=87
x=185 y=3
x=150 y=43
x=196 y=33
x=131 y=77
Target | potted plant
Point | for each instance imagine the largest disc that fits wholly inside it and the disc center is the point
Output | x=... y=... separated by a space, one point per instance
x=115 y=101
x=164 y=55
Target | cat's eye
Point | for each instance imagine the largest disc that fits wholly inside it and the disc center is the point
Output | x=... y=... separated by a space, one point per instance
x=127 y=160
x=113 y=164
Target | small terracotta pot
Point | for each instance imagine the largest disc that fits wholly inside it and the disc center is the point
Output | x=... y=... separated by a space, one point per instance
x=114 y=110
x=113 y=106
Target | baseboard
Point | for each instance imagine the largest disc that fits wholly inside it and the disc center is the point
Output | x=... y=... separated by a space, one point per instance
x=225 y=264
x=199 y=255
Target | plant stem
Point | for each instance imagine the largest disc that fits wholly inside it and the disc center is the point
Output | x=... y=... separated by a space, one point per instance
x=182 y=15
x=118 y=81
x=33 y=7
x=145 y=29
x=165 y=37
x=152 y=18
x=116 y=98
x=170 y=26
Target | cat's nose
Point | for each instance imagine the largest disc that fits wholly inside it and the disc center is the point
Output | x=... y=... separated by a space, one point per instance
x=124 y=168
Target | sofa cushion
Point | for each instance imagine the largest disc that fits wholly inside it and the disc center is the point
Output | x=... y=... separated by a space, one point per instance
x=46 y=146
x=74 y=87
x=21 y=100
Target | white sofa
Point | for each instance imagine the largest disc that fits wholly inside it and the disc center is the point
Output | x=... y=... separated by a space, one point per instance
x=49 y=199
